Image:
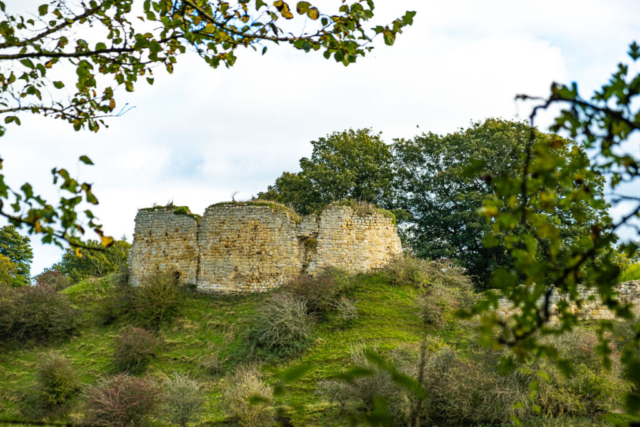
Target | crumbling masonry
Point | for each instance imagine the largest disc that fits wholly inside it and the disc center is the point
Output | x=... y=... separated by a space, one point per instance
x=252 y=247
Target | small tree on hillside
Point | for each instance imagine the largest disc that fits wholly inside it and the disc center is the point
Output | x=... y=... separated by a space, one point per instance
x=354 y=164
x=17 y=249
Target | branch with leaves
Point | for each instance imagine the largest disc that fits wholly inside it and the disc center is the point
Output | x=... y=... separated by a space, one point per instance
x=126 y=48
x=602 y=126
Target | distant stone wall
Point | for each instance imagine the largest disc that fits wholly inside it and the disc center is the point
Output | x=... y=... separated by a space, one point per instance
x=164 y=241
x=242 y=248
x=246 y=249
x=591 y=306
x=354 y=242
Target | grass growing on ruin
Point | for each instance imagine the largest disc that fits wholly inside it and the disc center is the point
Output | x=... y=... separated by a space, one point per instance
x=275 y=207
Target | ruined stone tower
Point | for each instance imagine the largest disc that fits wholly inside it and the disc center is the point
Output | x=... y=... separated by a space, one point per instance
x=256 y=246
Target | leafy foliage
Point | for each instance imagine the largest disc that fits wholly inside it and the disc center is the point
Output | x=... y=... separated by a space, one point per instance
x=550 y=182
x=282 y=327
x=134 y=349
x=56 y=383
x=18 y=249
x=632 y=272
x=184 y=400
x=116 y=50
x=123 y=400
x=98 y=262
x=244 y=385
x=319 y=293
x=158 y=299
x=344 y=165
x=35 y=313
x=8 y=271
x=54 y=279
x=433 y=186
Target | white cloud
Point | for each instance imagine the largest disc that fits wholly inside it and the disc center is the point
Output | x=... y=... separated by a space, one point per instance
x=199 y=135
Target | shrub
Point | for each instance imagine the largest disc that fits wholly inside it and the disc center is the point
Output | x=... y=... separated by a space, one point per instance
x=184 y=400
x=158 y=299
x=438 y=304
x=242 y=387
x=35 y=313
x=320 y=292
x=122 y=401
x=346 y=309
x=591 y=390
x=134 y=349
x=283 y=326
x=55 y=384
x=56 y=378
x=418 y=273
x=212 y=365
x=53 y=278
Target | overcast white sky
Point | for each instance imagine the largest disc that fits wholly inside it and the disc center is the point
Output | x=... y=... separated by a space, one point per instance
x=199 y=135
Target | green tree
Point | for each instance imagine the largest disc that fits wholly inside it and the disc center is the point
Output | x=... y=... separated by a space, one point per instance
x=354 y=164
x=604 y=124
x=110 y=46
x=7 y=271
x=17 y=249
x=432 y=185
x=94 y=263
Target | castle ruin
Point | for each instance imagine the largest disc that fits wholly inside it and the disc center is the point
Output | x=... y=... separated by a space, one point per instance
x=244 y=247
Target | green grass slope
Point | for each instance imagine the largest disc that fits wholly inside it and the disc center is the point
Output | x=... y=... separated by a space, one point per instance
x=211 y=326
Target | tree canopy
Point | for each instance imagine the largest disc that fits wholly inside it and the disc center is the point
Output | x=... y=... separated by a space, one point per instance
x=353 y=164
x=442 y=199
x=17 y=250
x=110 y=47
x=94 y=263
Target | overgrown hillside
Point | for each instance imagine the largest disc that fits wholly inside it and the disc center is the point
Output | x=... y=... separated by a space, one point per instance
x=215 y=344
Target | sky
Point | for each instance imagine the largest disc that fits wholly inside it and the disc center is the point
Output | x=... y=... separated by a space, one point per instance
x=200 y=135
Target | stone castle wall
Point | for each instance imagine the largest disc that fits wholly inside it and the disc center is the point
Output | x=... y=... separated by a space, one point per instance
x=591 y=305
x=164 y=240
x=242 y=248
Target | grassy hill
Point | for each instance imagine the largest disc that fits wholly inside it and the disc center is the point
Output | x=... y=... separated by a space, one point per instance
x=210 y=337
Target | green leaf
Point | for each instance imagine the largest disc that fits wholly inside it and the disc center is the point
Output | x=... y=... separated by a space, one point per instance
x=86 y=160
x=302 y=7
x=43 y=9
x=58 y=85
x=27 y=63
x=313 y=13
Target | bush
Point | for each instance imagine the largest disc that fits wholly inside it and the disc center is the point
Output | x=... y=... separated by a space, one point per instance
x=419 y=273
x=56 y=378
x=35 y=313
x=134 y=349
x=184 y=400
x=242 y=387
x=592 y=390
x=53 y=278
x=122 y=401
x=438 y=304
x=346 y=309
x=55 y=384
x=320 y=292
x=158 y=299
x=282 y=326
x=212 y=365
